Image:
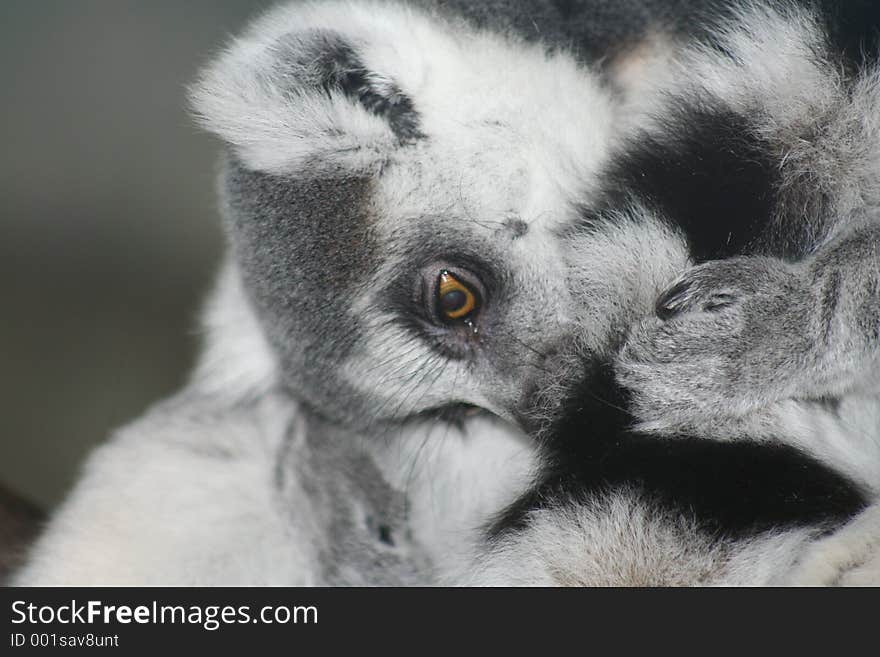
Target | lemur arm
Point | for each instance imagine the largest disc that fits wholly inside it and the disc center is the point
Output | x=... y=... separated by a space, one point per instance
x=733 y=336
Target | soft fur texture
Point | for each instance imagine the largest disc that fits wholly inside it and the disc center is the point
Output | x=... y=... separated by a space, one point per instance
x=671 y=376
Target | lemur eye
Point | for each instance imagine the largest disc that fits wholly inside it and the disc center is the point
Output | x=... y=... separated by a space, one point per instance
x=455 y=300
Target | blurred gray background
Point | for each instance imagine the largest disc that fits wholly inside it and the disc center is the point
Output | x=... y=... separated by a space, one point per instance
x=109 y=236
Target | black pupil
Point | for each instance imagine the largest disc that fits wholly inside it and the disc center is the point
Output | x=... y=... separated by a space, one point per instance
x=452 y=301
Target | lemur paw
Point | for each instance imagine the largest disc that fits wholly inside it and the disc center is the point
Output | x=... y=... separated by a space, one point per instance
x=725 y=337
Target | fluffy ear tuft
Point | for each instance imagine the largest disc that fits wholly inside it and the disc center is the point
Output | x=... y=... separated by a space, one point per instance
x=295 y=93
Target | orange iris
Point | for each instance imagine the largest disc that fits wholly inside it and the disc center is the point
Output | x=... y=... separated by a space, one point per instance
x=455 y=298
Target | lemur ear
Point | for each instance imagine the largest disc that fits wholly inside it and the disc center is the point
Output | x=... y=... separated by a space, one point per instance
x=298 y=95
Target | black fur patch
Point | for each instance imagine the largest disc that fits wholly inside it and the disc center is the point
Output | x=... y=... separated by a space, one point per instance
x=730 y=489
x=322 y=60
x=854 y=29
x=342 y=69
x=707 y=174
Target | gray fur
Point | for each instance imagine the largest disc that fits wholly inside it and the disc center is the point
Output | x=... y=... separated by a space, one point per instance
x=599 y=32
x=367 y=540
x=744 y=333
x=733 y=337
x=306 y=246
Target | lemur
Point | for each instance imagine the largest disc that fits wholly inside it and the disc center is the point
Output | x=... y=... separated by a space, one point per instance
x=521 y=293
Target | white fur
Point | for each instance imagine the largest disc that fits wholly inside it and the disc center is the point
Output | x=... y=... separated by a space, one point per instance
x=181 y=497
x=237 y=363
x=850 y=557
x=277 y=124
x=455 y=480
x=620 y=540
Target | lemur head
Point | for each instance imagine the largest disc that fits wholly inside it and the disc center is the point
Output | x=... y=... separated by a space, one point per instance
x=399 y=193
